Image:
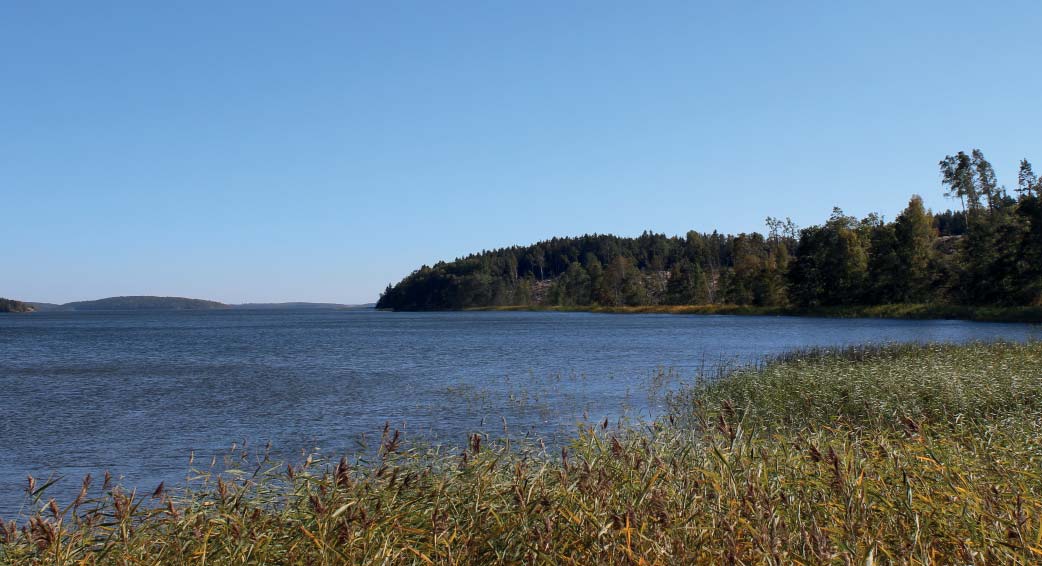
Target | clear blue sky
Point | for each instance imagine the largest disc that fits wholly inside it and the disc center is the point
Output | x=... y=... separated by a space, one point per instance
x=262 y=151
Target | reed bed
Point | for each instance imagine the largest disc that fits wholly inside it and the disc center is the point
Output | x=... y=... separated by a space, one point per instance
x=896 y=455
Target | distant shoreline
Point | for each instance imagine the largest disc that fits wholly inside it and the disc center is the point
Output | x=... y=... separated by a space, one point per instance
x=910 y=312
x=149 y=303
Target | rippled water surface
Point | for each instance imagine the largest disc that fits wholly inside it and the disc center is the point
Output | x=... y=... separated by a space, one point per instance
x=136 y=393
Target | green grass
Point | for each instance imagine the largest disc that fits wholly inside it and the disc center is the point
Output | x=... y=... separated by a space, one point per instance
x=904 y=311
x=876 y=386
x=896 y=455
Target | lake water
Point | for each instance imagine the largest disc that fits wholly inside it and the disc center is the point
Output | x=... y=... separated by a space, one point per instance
x=136 y=393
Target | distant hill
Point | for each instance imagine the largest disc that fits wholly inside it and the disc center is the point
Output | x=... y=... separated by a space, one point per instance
x=142 y=303
x=10 y=305
x=175 y=303
x=43 y=307
x=293 y=305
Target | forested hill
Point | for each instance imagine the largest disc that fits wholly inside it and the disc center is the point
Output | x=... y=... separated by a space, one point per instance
x=10 y=305
x=143 y=303
x=988 y=252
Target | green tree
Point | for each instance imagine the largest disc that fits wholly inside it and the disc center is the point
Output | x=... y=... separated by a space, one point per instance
x=989 y=258
x=572 y=288
x=523 y=291
x=1027 y=182
x=1029 y=210
x=987 y=185
x=915 y=238
x=614 y=281
x=599 y=293
x=771 y=290
x=831 y=264
x=884 y=266
x=625 y=283
x=687 y=284
x=957 y=176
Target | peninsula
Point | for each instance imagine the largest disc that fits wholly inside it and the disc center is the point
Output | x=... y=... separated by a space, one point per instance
x=987 y=255
x=10 y=305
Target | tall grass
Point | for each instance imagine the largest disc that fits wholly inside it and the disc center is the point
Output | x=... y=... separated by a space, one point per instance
x=878 y=386
x=903 y=455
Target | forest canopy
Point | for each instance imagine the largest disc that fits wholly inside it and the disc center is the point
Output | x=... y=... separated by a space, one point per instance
x=988 y=251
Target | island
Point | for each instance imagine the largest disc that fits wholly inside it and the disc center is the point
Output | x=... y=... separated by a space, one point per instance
x=141 y=303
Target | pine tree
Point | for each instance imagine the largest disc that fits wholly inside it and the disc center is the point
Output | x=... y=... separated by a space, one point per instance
x=958 y=176
x=987 y=184
x=1027 y=182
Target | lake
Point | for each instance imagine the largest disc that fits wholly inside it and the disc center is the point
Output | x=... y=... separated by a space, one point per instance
x=137 y=392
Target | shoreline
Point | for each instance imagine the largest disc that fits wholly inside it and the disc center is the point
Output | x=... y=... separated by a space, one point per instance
x=898 y=311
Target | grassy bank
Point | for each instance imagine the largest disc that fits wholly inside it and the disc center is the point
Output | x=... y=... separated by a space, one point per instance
x=905 y=311
x=904 y=455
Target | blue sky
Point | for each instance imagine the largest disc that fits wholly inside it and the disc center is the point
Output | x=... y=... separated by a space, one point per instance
x=263 y=151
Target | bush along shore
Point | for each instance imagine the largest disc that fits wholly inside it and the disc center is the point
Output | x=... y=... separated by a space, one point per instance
x=900 y=311
x=889 y=455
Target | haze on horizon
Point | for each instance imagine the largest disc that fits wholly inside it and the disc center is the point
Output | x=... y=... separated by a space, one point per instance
x=253 y=152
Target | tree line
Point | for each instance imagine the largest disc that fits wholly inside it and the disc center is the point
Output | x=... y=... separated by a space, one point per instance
x=986 y=252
